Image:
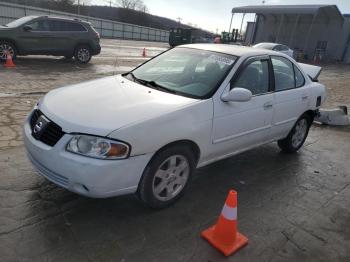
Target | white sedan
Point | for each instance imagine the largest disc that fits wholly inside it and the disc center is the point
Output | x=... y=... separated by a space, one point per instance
x=276 y=47
x=146 y=131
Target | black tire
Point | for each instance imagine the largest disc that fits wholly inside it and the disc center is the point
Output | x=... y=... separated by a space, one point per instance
x=82 y=54
x=147 y=186
x=7 y=46
x=293 y=142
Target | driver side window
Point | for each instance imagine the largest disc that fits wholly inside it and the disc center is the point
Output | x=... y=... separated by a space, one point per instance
x=40 y=26
x=254 y=77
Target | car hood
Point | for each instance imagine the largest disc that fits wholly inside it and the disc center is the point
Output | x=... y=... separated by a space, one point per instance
x=101 y=106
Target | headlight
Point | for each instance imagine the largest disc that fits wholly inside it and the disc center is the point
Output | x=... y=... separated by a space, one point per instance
x=98 y=147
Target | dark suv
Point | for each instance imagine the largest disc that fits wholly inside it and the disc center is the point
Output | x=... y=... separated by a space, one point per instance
x=45 y=35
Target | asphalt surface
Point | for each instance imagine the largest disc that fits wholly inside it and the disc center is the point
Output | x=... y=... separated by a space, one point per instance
x=291 y=207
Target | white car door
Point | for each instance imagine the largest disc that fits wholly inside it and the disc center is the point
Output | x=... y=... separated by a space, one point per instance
x=291 y=96
x=240 y=125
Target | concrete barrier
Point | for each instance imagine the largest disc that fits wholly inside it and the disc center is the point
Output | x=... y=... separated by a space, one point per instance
x=106 y=28
x=336 y=117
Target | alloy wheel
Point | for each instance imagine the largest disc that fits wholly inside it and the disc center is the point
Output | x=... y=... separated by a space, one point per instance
x=4 y=49
x=83 y=55
x=299 y=133
x=171 y=177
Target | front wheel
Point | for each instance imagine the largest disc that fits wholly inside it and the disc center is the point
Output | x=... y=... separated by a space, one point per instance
x=297 y=136
x=166 y=177
x=5 y=48
x=82 y=54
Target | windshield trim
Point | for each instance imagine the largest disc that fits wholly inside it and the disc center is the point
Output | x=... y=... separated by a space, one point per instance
x=207 y=96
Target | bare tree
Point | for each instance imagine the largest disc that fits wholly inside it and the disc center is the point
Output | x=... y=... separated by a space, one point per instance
x=137 y=5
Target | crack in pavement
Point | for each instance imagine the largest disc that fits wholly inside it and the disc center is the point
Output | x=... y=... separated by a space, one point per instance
x=290 y=239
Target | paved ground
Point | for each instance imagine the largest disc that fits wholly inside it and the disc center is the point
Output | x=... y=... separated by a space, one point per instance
x=292 y=207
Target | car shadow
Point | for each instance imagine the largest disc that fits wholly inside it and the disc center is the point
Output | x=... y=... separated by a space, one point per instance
x=47 y=219
x=127 y=224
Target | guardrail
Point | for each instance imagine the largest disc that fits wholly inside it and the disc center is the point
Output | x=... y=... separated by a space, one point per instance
x=106 y=28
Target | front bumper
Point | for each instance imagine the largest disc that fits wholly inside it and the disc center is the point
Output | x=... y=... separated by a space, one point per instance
x=86 y=176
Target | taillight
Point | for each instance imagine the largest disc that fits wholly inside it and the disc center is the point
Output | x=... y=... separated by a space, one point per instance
x=97 y=33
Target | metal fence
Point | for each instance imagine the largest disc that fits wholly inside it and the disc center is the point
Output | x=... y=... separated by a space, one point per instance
x=106 y=28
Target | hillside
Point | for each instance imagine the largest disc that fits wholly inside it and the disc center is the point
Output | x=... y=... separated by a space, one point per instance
x=111 y=13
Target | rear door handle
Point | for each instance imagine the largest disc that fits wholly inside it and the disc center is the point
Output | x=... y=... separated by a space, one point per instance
x=268 y=105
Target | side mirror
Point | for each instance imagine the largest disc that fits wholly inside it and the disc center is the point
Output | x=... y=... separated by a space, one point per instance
x=27 y=28
x=237 y=94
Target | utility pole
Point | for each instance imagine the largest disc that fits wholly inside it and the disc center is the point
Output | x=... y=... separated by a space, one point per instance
x=179 y=19
x=78 y=7
x=25 y=8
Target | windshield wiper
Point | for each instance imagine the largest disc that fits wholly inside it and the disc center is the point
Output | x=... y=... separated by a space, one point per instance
x=137 y=80
x=157 y=86
x=151 y=84
x=132 y=75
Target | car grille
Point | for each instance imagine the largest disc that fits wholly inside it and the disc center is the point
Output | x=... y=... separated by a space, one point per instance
x=50 y=175
x=52 y=133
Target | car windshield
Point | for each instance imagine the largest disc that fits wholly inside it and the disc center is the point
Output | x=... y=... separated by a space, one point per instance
x=185 y=71
x=20 y=21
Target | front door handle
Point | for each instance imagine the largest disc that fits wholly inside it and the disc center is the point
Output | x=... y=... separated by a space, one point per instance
x=268 y=105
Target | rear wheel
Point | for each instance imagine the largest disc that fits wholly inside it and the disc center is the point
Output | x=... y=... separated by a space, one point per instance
x=7 y=47
x=83 y=54
x=167 y=176
x=297 y=136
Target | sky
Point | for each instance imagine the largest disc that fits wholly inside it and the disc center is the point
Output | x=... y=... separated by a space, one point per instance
x=216 y=15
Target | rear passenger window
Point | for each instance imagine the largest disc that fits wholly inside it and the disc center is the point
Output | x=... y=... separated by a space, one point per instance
x=299 y=78
x=56 y=25
x=76 y=27
x=254 y=77
x=64 y=26
x=284 y=73
x=277 y=48
x=284 y=48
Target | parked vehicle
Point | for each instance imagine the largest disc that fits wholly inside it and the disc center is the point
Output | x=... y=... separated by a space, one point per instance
x=45 y=35
x=276 y=47
x=147 y=130
x=181 y=36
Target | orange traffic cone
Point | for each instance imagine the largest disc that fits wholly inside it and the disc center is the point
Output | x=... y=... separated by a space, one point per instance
x=9 y=63
x=224 y=235
x=144 y=52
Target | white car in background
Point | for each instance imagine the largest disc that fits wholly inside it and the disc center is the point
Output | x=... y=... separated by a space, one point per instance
x=276 y=47
x=146 y=131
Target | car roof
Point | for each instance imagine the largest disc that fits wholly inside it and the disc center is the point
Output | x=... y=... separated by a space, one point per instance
x=233 y=49
x=32 y=16
x=62 y=18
